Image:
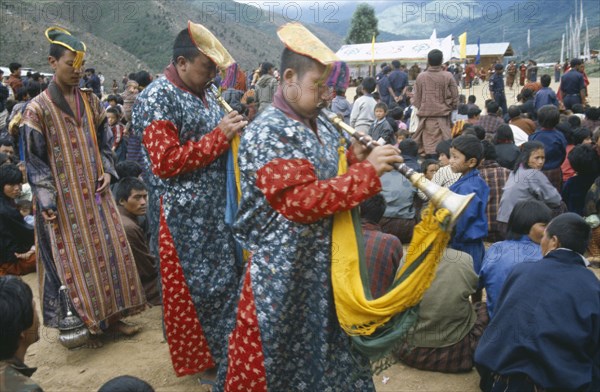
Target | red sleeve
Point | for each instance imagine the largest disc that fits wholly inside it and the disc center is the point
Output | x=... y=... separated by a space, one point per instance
x=292 y=188
x=350 y=157
x=169 y=158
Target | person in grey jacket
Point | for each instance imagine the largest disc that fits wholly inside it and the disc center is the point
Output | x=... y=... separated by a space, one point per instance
x=527 y=182
x=265 y=86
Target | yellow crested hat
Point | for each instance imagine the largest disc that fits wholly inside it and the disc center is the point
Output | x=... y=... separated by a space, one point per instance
x=208 y=44
x=60 y=36
x=299 y=39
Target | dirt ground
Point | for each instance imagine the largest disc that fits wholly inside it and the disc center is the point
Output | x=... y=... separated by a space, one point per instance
x=146 y=355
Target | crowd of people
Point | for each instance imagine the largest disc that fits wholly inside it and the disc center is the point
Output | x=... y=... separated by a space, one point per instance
x=158 y=195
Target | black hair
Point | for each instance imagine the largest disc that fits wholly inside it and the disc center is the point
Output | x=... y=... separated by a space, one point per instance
x=126 y=185
x=472 y=99
x=16 y=307
x=545 y=80
x=492 y=107
x=469 y=146
x=579 y=135
x=435 y=57
x=463 y=109
x=143 y=78
x=6 y=142
x=265 y=68
x=409 y=147
x=126 y=384
x=548 y=116
x=300 y=64
x=584 y=159
x=571 y=230
x=114 y=111
x=514 y=111
x=396 y=113
x=131 y=76
x=128 y=169
x=504 y=135
x=396 y=64
x=33 y=89
x=392 y=138
x=21 y=94
x=111 y=97
x=428 y=162
x=592 y=113
x=91 y=70
x=10 y=175
x=479 y=132
x=524 y=215
x=183 y=47
x=527 y=93
x=381 y=105
x=443 y=147
x=574 y=121
x=13 y=67
x=369 y=84
x=462 y=99
x=578 y=108
x=527 y=149
x=473 y=112
x=489 y=151
x=372 y=209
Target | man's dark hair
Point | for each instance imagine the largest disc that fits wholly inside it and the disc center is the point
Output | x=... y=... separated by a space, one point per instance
x=527 y=149
x=16 y=308
x=579 y=135
x=126 y=185
x=472 y=99
x=545 y=80
x=592 y=113
x=489 y=150
x=492 y=107
x=13 y=67
x=376 y=96
x=548 y=116
x=527 y=94
x=571 y=230
x=584 y=160
x=131 y=76
x=463 y=110
x=57 y=51
x=21 y=94
x=409 y=148
x=514 y=111
x=443 y=147
x=396 y=64
x=265 y=68
x=524 y=215
x=469 y=146
x=479 y=132
x=126 y=384
x=435 y=57
x=184 y=47
x=426 y=163
x=372 y=209
x=504 y=135
x=473 y=112
x=369 y=84
x=33 y=89
x=128 y=169
x=578 y=108
x=10 y=175
x=574 y=121
x=300 y=64
x=111 y=97
x=6 y=142
x=381 y=105
x=143 y=78
x=396 y=113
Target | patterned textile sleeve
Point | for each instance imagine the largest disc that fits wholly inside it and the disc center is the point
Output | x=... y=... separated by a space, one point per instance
x=39 y=173
x=169 y=158
x=292 y=188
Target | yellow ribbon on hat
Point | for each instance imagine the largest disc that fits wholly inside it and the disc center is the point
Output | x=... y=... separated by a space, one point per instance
x=78 y=61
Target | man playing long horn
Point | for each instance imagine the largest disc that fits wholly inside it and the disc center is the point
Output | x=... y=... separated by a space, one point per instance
x=287 y=335
x=186 y=139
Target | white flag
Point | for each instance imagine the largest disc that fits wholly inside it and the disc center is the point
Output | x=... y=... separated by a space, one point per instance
x=528 y=39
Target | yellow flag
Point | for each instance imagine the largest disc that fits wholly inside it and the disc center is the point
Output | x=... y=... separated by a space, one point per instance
x=373 y=49
x=462 y=40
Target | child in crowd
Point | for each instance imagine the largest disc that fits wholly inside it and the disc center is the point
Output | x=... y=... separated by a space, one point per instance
x=119 y=146
x=555 y=144
x=585 y=162
x=409 y=150
x=25 y=208
x=471 y=228
x=381 y=128
x=363 y=109
x=429 y=167
x=401 y=134
x=545 y=96
x=574 y=138
x=524 y=232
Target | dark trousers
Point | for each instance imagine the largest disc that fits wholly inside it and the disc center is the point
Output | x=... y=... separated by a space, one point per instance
x=501 y=101
x=570 y=100
x=492 y=382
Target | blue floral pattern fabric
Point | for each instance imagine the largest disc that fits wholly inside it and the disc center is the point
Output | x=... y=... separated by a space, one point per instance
x=194 y=207
x=304 y=347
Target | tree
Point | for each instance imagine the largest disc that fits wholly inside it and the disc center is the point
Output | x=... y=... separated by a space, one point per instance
x=363 y=25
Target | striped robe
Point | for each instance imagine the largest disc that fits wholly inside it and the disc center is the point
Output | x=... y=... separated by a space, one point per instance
x=85 y=248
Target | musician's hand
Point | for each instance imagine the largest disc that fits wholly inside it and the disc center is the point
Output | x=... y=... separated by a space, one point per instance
x=232 y=123
x=49 y=215
x=103 y=182
x=382 y=158
x=361 y=152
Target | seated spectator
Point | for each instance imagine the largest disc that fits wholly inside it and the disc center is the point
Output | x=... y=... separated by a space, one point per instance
x=429 y=167
x=381 y=128
x=527 y=182
x=399 y=216
x=545 y=333
x=126 y=384
x=528 y=106
x=586 y=164
x=523 y=234
x=555 y=144
x=506 y=150
x=17 y=249
x=7 y=147
x=491 y=121
x=519 y=135
x=410 y=151
x=495 y=177
x=131 y=195
x=592 y=118
x=545 y=96
x=574 y=138
x=475 y=130
x=383 y=252
x=19 y=329
x=444 y=176
x=449 y=326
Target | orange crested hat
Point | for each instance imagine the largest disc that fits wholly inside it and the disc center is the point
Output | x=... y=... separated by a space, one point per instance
x=208 y=44
x=299 y=39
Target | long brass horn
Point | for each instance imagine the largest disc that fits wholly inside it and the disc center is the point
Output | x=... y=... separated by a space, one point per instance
x=440 y=197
